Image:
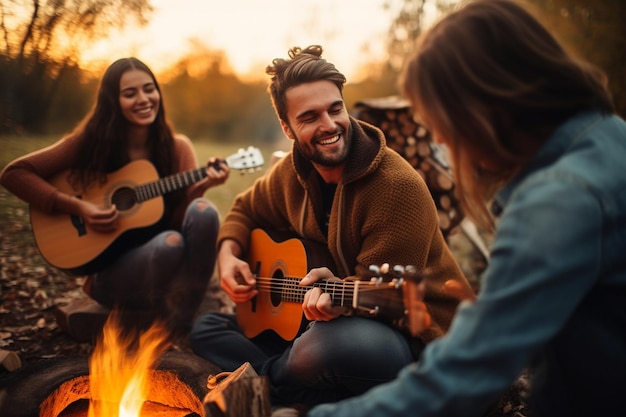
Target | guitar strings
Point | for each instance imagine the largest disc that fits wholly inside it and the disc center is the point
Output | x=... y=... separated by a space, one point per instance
x=280 y=285
x=295 y=281
x=391 y=291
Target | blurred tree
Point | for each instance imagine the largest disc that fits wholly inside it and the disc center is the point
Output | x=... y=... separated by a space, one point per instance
x=206 y=100
x=382 y=81
x=594 y=30
x=40 y=45
x=413 y=17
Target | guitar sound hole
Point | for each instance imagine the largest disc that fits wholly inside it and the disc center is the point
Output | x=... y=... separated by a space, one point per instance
x=277 y=288
x=124 y=198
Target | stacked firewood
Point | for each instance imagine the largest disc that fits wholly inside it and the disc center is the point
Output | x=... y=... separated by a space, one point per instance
x=411 y=140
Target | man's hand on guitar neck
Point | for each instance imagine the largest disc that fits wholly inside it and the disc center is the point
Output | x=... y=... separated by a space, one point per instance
x=236 y=278
x=318 y=305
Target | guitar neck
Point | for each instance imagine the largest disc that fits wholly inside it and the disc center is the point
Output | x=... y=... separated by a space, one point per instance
x=244 y=159
x=169 y=184
x=341 y=292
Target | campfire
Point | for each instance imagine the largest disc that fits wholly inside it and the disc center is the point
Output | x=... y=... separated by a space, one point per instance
x=123 y=380
x=133 y=375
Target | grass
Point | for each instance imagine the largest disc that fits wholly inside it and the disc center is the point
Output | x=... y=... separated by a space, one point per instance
x=223 y=195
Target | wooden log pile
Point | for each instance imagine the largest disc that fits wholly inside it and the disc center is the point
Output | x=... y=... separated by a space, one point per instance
x=411 y=140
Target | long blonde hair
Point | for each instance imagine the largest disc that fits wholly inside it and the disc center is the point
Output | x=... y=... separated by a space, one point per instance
x=493 y=82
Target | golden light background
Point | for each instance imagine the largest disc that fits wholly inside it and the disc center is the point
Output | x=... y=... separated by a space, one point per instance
x=253 y=32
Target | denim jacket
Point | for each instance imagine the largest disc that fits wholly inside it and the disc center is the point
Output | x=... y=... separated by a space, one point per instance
x=553 y=298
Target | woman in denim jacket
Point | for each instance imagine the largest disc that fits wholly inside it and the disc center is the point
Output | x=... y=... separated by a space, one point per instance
x=532 y=136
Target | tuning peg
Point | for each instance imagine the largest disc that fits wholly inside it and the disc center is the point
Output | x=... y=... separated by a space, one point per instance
x=398 y=271
x=375 y=275
x=376 y=281
x=374 y=270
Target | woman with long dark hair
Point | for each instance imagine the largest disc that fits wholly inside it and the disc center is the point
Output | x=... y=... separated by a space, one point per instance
x=157 y=271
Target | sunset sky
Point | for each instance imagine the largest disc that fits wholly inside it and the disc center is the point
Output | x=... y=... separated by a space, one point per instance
x=253 y=32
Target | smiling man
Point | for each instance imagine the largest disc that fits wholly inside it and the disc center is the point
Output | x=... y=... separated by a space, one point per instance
x=342 y=188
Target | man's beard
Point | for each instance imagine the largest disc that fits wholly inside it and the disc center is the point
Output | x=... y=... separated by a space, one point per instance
x=325 y=159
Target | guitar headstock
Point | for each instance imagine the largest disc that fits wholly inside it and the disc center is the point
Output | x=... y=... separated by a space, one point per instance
x=407 y=310
x=246 y=160
x=397 y=273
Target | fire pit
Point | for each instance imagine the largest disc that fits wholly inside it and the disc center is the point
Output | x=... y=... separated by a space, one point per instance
x=168 y=396
x=59 y=387
x=130 y=374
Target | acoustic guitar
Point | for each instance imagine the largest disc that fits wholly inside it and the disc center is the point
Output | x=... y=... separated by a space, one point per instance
x=67 y=243
x=280 y=263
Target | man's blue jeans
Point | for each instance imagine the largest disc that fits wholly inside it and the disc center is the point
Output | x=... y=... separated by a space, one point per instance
x=329 y=361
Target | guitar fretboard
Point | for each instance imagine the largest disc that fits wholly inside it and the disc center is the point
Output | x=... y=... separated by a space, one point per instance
x=169 y=184
x=341 y=292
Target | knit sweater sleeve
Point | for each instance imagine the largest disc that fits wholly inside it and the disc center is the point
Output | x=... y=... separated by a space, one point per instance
x=26 y=177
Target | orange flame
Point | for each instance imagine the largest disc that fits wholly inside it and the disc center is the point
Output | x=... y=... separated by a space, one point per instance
x=120 y=368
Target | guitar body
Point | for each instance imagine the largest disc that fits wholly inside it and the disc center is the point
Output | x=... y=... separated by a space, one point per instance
x=278 y=259
x=67 y=243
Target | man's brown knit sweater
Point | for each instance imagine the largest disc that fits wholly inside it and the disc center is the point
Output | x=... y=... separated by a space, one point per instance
x=382 y=212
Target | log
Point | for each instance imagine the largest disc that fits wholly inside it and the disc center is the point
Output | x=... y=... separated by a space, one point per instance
x=445 y=202
x=241 y=393
x=83 y=318
x=421 y=132
x=439 y=181
x=423 y=149
x=408 y=128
